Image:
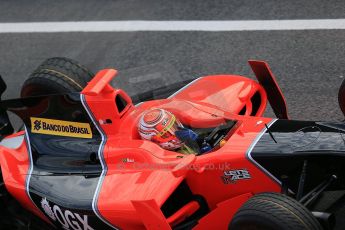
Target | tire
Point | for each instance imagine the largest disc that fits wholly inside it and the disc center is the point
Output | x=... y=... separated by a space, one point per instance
x=341 y=97
x=56 y=75
x=273 y=211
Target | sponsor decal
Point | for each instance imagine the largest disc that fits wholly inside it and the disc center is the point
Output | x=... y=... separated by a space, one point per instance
x=47 y=209
x=66 y=218
x=232 y=176
x=128 y=160
x=60 y=128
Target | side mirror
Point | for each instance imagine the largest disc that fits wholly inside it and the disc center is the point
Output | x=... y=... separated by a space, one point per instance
x=274 y=94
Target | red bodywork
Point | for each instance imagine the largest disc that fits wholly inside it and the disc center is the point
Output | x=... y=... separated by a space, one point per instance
x=131 y=197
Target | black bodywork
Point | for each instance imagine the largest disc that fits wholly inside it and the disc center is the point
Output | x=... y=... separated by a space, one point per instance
x=64 y=170
x=283 y=148
x=307 y=159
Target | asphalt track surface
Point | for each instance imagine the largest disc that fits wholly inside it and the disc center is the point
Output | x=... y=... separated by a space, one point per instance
x=309 y=65
x=80 y=10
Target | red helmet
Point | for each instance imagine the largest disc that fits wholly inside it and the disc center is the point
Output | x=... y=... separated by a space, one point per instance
x=159 y=126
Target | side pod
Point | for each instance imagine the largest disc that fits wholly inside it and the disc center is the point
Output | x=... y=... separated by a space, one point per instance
x=274 y=94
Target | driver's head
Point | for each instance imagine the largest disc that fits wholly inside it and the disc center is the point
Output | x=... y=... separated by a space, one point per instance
x=159 y=126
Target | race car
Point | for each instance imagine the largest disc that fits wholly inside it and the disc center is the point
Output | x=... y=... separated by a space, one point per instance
x=78 y=161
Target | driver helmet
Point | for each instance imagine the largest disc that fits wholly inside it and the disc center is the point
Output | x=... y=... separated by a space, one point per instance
x=159 y=126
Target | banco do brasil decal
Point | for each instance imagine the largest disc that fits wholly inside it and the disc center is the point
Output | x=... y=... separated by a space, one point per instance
x=60 y=128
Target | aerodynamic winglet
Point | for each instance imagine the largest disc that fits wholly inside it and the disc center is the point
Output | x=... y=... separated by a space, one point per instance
x=100 y=82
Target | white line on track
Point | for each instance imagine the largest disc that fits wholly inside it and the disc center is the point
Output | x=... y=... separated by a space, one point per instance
x=132 y=26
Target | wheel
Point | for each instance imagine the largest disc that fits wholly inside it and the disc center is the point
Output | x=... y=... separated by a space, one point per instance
x=55 y=76
x=341 y=97
x=273 y=211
